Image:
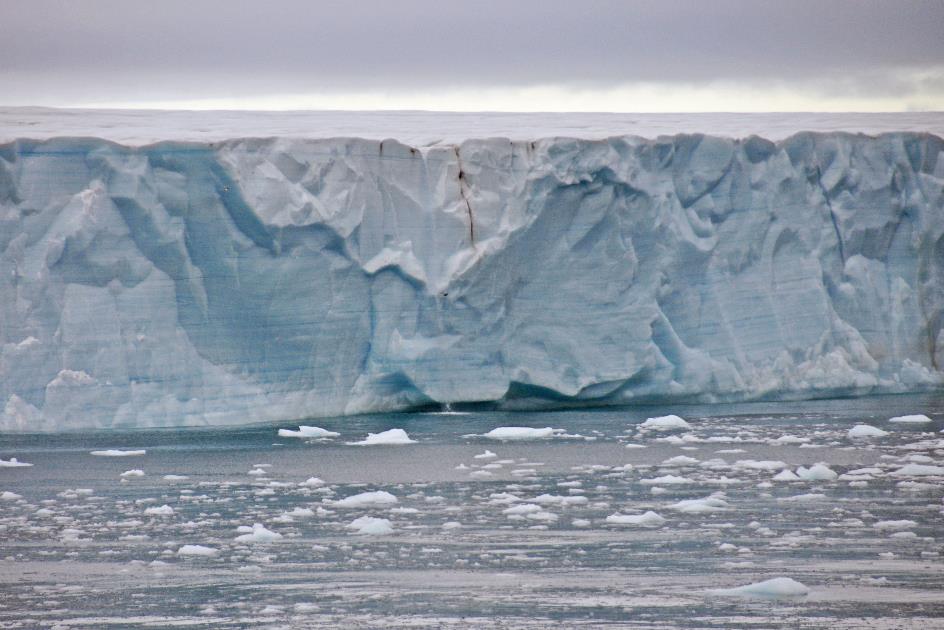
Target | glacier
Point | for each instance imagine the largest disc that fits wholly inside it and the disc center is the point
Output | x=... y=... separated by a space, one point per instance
x=269 y=279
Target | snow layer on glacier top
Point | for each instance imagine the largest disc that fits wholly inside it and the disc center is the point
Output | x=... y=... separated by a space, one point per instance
x=421 y=128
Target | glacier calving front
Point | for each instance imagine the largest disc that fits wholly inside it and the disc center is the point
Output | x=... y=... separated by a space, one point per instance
x=255 y=280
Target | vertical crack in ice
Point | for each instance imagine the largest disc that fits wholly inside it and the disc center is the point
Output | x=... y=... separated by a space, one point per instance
x=465 y=198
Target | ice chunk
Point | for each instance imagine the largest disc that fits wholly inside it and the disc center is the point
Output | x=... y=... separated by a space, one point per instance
x=647 y=519
x=371 y=526
x=114 y=452
x=919 y=470
x=866 y=431
x=378 y=498
x=713 y=503
x=258 y=534
x=163 y=510
x=308 y=432
x=895 y=525
x=775 y=588
x=390 y=437
x=13 y=463
x=6 y=495
x=816 y=472
x=511 y=434
x=666 y=423
x=134 y=472
x=917 y=418
x=197 y=550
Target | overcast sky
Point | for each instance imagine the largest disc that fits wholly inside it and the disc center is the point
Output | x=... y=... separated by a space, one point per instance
x=513 y=55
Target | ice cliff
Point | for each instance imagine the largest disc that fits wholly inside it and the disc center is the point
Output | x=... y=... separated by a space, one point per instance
x=252 y=280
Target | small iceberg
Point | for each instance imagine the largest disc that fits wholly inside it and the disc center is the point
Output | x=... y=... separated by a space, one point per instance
x=666 y=423
x=12 y=463
x=384 y=438
x=371 y=526
x=511 y=434
x=775 y=588
x=197 y=550
x=367 y=499
x=114 y=452
x=257 y=534
x=918 y=418
x=308 y=433
x=866 y=431
x=648 y=519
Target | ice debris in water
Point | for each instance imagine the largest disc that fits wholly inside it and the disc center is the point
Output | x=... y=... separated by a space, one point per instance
x=114 y=452
x=12 y=463
x=647 y=519
x=257 y=534
x=135 y=472
x=781 y=587
x=164 y=510
x=666 y=423
x=391 y=437
x=367 y=499
x=918 y=418
x=308 y=432
x=816 y=472
x=371 y=526
x=866 y=431
x=510 y=434
x=197 y=550
x=6 y=495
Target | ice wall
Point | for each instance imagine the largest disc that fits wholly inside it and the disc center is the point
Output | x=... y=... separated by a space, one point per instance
x=253 y=280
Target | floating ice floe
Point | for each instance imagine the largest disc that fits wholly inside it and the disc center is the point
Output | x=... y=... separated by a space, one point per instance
x=175 y=477
x=391 y=437
x=786 y=475
x=371 y=526
x=816 y=472
x=257 y=534
x=6 y=495
x=12 y=463
x=510 y=434
x=312 y=482
x=647 y=519
x=918 y=470
x=197 y=550
x=135 y=472
x=308 y=432
x=164 y=510
x=114 y=452
x=366 y=499
x=486 y=455
x=713 y=503
x=866 y=431
x=918 y=418
x=781 y=587
x=895 y=525
x=666 y=423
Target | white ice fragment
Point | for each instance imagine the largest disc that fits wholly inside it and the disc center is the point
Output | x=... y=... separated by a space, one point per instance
x=378 y=498
x=647 y=519
x=786 y=475
x=6 y=495
x=371 y=526
x=713 y=503
x=866 y=431
x=895 y=525
x=390 y=437
x=509 y=434
x=175 y=477
x=918 y=418
x=13 y=463
x=680 y=460
x=918 y=470
x=816 y=472
x=259 y=534
x=311 y=482
x=134 y=472
x=665 y=423
x=164 y=510
x=308 y=432
x=781 y=587
x=114 y=452
x=486 y=455
x=197 y=550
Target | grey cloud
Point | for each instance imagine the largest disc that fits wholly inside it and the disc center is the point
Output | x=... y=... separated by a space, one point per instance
x=79 y=48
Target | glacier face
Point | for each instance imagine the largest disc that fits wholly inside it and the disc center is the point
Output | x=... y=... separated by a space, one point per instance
x=273 y=279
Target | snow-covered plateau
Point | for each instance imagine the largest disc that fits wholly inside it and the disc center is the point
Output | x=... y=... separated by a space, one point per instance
x=252 y=280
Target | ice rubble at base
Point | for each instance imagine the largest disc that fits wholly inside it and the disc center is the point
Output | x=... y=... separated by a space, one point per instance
x=256 y=280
